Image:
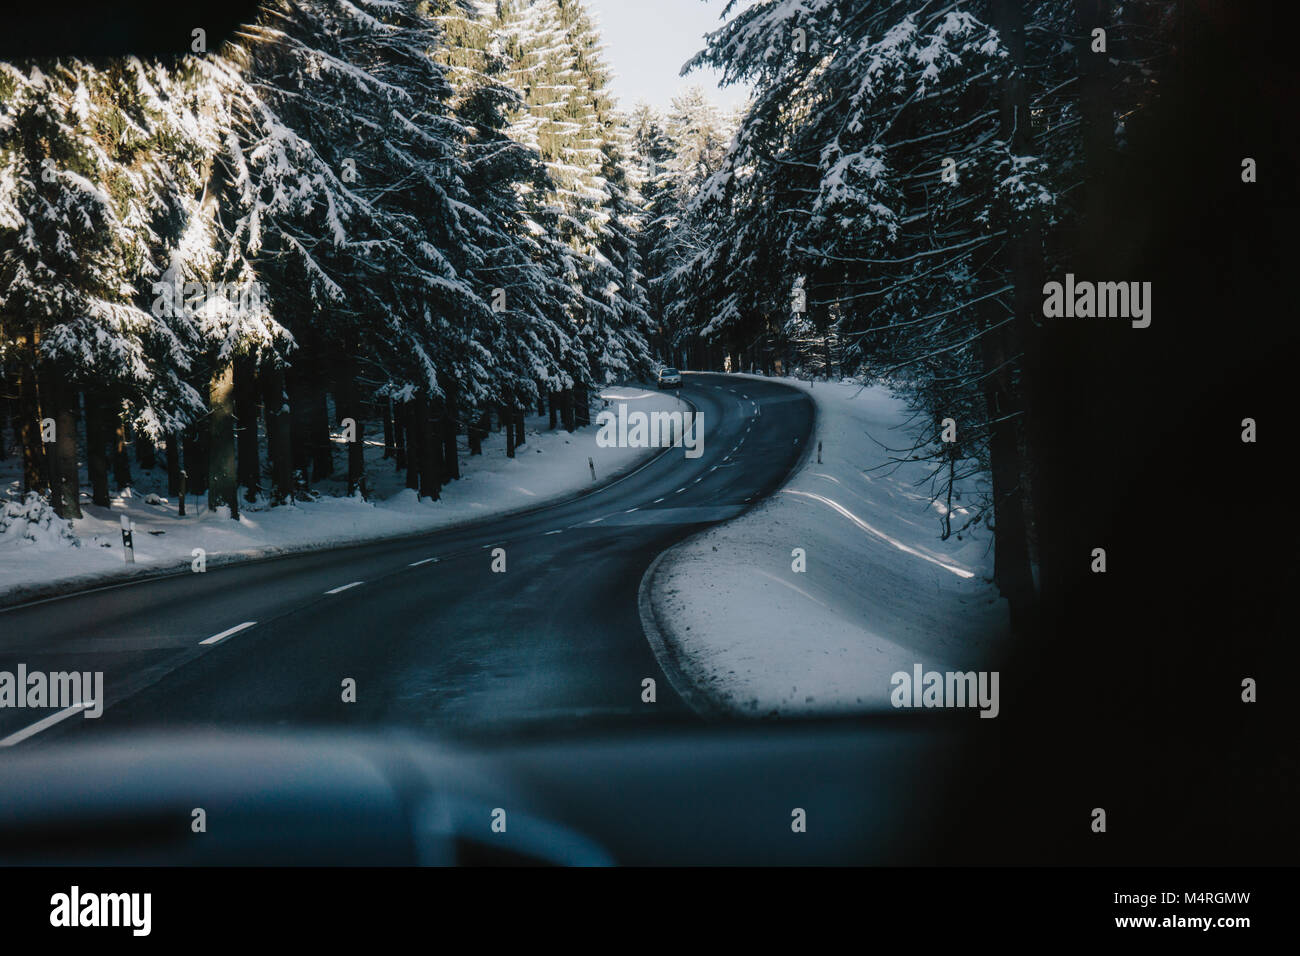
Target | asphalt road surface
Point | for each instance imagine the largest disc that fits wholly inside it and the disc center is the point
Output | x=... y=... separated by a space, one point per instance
x=434 y=639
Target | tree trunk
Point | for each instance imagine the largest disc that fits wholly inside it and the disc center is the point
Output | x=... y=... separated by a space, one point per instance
x=29 y=422
x=401 y=436
x=69 y=475
x=299 y=428
x=357 y=455
x=521 y=437
x=196 y=458
x=430 y=449
x=1069 y=355
x=347 y=405
x=97 y=437
x=508 y=423
x=581 y=406
x=450 y=423
x=249 y=466
x=1023 y=265
x=1011 y=569
x=390 y=440
x=552 y=408
x=121 y=458
x=49 y=413
x=566 y=409
x=13 y=424
x=480 y=427
x=222 y=479
x=312 y=446
x=279 y=432
x=322 y=446
x=1096 y=120
x=410 y=427
x=145 y=453
x=173 y=465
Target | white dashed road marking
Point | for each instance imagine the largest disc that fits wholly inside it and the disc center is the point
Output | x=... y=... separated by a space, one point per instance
x=46 y=723
x=344 y=587
x=215 y=638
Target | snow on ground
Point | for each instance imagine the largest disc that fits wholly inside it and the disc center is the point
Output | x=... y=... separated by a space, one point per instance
x=881 y=591
x=37 y=552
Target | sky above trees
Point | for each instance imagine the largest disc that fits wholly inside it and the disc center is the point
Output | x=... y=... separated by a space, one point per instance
x=646 y=45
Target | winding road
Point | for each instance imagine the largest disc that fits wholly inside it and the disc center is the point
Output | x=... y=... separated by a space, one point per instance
x=433 y=637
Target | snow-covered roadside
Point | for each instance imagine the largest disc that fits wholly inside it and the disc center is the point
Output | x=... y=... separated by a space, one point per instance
x=881 y=591
x=41 y=558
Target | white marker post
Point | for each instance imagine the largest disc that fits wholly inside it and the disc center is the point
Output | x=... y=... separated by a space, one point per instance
x=126 y=540
x=592 y=465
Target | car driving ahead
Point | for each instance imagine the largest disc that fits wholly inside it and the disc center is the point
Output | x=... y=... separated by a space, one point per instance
x=670 y=378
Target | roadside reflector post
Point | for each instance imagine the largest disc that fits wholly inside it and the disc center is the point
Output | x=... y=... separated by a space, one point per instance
x=126 y=540
x=592 y=465
x=819 y=453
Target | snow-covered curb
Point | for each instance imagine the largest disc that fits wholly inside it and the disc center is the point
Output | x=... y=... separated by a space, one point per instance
x=551 y=467
x=742 y=632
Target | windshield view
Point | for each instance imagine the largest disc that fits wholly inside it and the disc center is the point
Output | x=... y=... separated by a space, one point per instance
x=643 y=433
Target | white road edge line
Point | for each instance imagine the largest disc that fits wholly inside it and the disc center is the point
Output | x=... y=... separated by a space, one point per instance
x=344 y=587
x=225 y=634
x=416 y=564
x=656 y=501
x=561 y=531
x=43 y=724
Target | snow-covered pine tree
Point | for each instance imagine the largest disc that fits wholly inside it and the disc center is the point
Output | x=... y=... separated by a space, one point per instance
x=623 y=349
x=905 y=169
x=569 y=119
x=870 y=176
x=697 y=138
x=346 y=173
x=84 y=204
x=650 y=153
x=521 y=355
